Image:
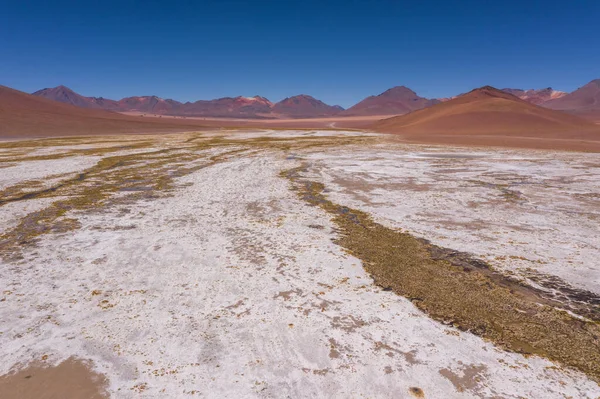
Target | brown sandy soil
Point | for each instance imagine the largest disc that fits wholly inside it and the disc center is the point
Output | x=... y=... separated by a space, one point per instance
x=72 y=379
x=347 y=122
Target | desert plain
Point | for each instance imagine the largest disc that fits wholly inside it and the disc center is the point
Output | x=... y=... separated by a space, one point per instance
x=297 y=263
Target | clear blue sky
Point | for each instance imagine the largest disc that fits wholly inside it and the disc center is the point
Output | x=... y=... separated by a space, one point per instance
x=337 y=51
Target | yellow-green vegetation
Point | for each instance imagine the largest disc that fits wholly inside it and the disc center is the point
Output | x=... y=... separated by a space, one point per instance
x=139 y=175
x=469 y=299
x=150 y=170
x=512 y=316
x=99 y=151
x=16 y=191
x=22 y=145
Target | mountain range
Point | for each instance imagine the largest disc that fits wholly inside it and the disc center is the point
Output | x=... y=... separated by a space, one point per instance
x=399 y=100
x=488 y=110
x=488 y=116
x=537 y=97
x=395 y=101
x=484 y=116
x=300 y=106
x=25 y=115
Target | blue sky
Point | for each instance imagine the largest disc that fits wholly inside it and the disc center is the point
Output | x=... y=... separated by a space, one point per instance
x=337 y=51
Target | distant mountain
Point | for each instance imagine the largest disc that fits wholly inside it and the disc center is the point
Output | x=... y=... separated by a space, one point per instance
x=148 y=104
x=65 y=95
x=301 y=106
x=236 y=107
x=584 y=101
x=444 y=99
x=395 y=101
x=26 y=115
x=536 y=96
x=489 y=111
x=304 y=106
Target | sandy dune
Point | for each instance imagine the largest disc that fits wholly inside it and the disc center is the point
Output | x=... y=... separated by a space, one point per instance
x=188 y=266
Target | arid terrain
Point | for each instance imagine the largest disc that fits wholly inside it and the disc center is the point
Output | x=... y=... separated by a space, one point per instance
x=300 y=199
x=484 y=117
x=583 y=102
x=491 y=117
x=296 y=263
x=24 y=115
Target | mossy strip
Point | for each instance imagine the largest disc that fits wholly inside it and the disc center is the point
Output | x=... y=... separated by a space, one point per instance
x=469 y=299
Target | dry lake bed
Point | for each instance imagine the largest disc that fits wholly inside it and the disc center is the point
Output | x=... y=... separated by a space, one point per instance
x=297 y=264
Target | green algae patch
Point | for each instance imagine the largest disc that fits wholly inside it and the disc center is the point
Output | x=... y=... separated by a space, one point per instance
x=495 y=308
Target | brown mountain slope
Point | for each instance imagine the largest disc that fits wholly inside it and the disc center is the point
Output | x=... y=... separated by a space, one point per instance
x=25 y=115
x=305 y=106
x=487 y=111
x=395 y=101
x=232 y=107
x=256 y=107
x=65 y=95
x=149 y=104
x=488 y=116
x=584 y=101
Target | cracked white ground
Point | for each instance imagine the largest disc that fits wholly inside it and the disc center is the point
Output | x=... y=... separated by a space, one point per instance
x=232 y=287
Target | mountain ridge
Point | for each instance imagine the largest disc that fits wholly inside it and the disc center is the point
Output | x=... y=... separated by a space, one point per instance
x=301 y=105
x=584 y=102
x=394 y=101
x=398 y=100
x=489 y=111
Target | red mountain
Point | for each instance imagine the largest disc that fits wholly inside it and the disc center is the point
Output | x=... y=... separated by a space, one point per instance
x=584 y=101
x=65 y=95
x=395 y=101
x=536 y=96
x=237 y=107
x=232 y=107
x=25 y=115
x=304 y=106
x=148 y=104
